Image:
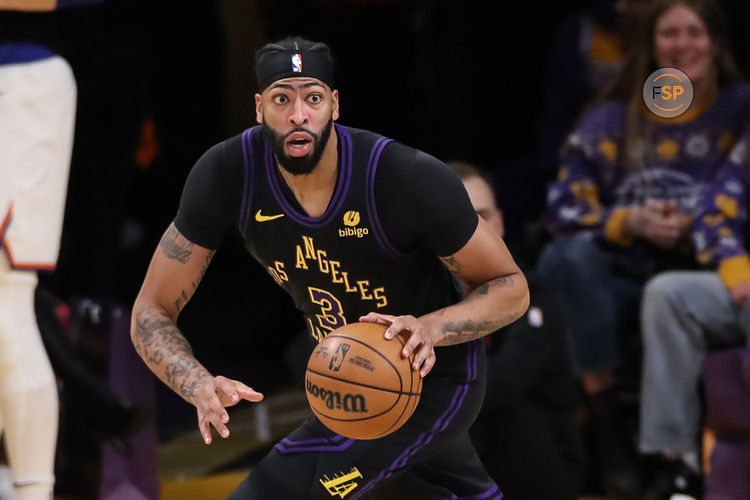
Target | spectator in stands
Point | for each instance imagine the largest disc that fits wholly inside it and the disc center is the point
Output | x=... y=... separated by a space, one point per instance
x=526 y=434
x=624 y=197
x=686 y=313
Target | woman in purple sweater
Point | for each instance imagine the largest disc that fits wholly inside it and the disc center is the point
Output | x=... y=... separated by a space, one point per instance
x=625 y=195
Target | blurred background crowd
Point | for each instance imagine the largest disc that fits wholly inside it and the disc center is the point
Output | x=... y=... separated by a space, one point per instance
x=599 y=202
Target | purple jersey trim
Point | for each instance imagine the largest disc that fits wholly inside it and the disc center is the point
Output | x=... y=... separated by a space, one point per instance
x=439 y=426
x=247 y=193
x=339 y=195
x=377 y=226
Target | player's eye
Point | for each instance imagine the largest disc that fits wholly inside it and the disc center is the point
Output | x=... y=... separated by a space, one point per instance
x=315 y=98
x=280 y=99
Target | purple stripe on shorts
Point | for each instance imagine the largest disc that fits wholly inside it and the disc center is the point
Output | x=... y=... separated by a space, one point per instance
x=299 y=449
x=493 y=493
x=334 y=439
x=471 y=359
x=439 y=426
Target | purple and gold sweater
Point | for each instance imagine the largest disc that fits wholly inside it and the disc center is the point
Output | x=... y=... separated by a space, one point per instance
x=595 y=189
x=720 y=227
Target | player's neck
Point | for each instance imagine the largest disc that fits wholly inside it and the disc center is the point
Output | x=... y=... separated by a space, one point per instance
x=313 y=191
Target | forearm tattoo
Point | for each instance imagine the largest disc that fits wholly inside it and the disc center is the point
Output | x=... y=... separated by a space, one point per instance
x=456 y=332
x=166 y=351
x=185 y=295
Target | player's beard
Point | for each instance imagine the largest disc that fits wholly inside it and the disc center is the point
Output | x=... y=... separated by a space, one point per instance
x=303 y=164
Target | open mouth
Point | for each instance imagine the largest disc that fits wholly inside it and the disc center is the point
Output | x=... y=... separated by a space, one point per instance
x=299 y=144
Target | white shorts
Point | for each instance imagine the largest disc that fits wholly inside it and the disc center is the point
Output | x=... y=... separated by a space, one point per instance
x=24 y=364
x=37 y=117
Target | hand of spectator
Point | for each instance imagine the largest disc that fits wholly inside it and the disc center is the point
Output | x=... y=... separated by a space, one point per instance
x=659 y=222
x=740 y=292
x=420 y=342
x=212 y=397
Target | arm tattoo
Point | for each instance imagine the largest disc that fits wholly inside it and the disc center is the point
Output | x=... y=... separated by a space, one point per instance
x=455 y=332
x=161 y=345
x=209 y=257
x=175 y=246
x=182 y=299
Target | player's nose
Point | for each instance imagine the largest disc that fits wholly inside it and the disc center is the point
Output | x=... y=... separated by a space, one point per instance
x=299 y=113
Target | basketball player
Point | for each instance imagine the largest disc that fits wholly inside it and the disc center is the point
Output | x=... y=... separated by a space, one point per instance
x=37 y=113
x=353 y=226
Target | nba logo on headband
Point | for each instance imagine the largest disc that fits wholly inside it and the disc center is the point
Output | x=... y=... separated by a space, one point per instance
x=297 y=63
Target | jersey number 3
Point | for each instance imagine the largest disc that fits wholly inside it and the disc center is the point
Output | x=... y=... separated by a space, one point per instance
x=331 y=313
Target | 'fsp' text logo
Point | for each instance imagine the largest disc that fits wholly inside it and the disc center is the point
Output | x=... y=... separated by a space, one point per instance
x=668 y=92
x=341 y=484
x=351 y=220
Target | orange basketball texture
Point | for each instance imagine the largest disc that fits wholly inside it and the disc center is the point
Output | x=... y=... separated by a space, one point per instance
x=357 y=383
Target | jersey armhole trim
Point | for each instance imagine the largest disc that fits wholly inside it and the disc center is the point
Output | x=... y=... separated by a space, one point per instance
x=377 y=226
x=247 y=193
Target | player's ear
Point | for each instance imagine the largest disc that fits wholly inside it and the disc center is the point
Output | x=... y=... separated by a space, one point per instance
x=335 y=105
x=258 y=109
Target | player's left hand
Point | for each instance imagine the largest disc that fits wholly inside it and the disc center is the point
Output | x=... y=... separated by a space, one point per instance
x=420 y=341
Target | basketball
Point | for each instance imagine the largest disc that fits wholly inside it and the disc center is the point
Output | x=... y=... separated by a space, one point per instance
x=357 y=383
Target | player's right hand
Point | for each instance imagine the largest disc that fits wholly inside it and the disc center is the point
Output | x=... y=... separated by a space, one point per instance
x=212 y=398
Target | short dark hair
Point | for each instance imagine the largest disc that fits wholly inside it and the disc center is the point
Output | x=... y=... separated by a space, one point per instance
x=466 y=170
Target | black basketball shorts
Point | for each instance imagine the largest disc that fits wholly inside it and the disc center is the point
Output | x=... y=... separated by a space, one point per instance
x=429 y=457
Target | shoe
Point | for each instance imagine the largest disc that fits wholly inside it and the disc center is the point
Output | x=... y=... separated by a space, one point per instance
x=675 y=481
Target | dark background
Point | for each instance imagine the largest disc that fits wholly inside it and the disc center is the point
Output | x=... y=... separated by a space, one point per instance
x=460 y=80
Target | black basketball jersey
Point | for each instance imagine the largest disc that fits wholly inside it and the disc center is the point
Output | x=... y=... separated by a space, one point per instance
x=341 y=265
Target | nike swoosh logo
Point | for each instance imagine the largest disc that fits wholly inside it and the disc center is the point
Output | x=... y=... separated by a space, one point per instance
x=265 y=218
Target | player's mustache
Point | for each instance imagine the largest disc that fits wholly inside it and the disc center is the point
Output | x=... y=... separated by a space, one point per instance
x=301 y=129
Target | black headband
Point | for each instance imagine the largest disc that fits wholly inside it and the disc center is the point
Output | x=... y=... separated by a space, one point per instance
x=281 y=64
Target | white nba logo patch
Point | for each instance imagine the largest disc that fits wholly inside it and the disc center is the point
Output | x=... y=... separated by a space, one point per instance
x=535 y=317
x=297 y=63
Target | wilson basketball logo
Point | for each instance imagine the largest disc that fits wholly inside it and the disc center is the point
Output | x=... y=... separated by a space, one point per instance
x=350 y=403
